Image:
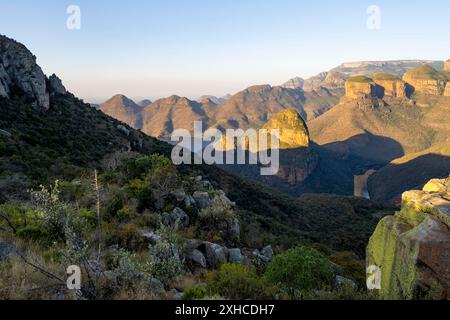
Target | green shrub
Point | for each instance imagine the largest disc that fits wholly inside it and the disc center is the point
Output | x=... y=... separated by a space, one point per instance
x=351 y=266
x=236 y=281
x=300 y=270
x=194 y=293
x=36 y=233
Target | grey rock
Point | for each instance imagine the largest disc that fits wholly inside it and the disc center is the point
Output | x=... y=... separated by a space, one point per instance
x=207 y=185
x=235 y=256
x=55 y=85
x=227 y=201
x=156 y=286
x=216 y=255
x=5 y=133
x=265 y=255
x=342 y=281
x=7 y=250
x=267 y=252
x=123 y=129
x=176 y=295
x=189 y=201
x=18 y=68
x=178 y=215
x=235 y=229
x=180 y=195
x=197 y=258
x=151 y=237
x=202 y=199
x=198 y=178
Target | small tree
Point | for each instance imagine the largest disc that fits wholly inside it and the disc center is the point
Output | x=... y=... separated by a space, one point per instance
x=300 y=270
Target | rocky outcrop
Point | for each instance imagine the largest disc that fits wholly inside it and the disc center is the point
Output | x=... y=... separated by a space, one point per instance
x=294 y=83
x=426 y=80
x=314 y=83
x=19 y=72
x=447 y=66
x=359 y=86
x=334 y=80
x=293 y=130
x=389 y=85
x=55 y=85
x=412 y=248
x=447 y=90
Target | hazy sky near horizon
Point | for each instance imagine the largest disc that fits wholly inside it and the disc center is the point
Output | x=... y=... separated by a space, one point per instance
x=155 y=48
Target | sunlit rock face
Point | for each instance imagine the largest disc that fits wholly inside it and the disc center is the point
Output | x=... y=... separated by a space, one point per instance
x=426 y=80
x=389 y=85
x=412 y=248
x=359 y=86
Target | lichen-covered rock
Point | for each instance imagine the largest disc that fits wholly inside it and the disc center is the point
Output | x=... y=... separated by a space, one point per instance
x=412 y=248
x=18 y=69
x=426 y=80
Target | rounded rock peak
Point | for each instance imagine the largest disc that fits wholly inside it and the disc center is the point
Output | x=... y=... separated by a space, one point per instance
x=293 y=130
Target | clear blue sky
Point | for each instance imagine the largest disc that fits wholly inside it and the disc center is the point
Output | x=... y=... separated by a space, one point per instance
x=156 y=48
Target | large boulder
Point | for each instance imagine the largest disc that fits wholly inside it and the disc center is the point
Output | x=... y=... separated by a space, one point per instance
x=412 y=248
x=202 y=199
x=196 y=258
x=176 y=216
x=216 y=255
x=235 y=256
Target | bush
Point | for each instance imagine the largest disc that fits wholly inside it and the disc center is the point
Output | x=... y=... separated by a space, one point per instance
x=300 y=270
x=236 y=281
x=194 y=293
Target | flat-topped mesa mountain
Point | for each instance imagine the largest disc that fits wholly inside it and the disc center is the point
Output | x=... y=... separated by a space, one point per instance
x=360 y=87
x=412 y=248
x=20 y=75
x=123 y=109
x=426 y=80
x=389 y=85
x=379 y=85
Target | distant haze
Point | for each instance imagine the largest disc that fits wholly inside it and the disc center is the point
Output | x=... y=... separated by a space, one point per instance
x=153 y=49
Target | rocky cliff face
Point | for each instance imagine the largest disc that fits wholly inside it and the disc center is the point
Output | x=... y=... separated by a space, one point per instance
x=426 y=80
x=447 y=66
x=334 y=80
x=19 y=71
x=412 y=248
x=297 y=160
x=359 y=86
x=389 y=85
x=294 y=83
x=293 y=130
